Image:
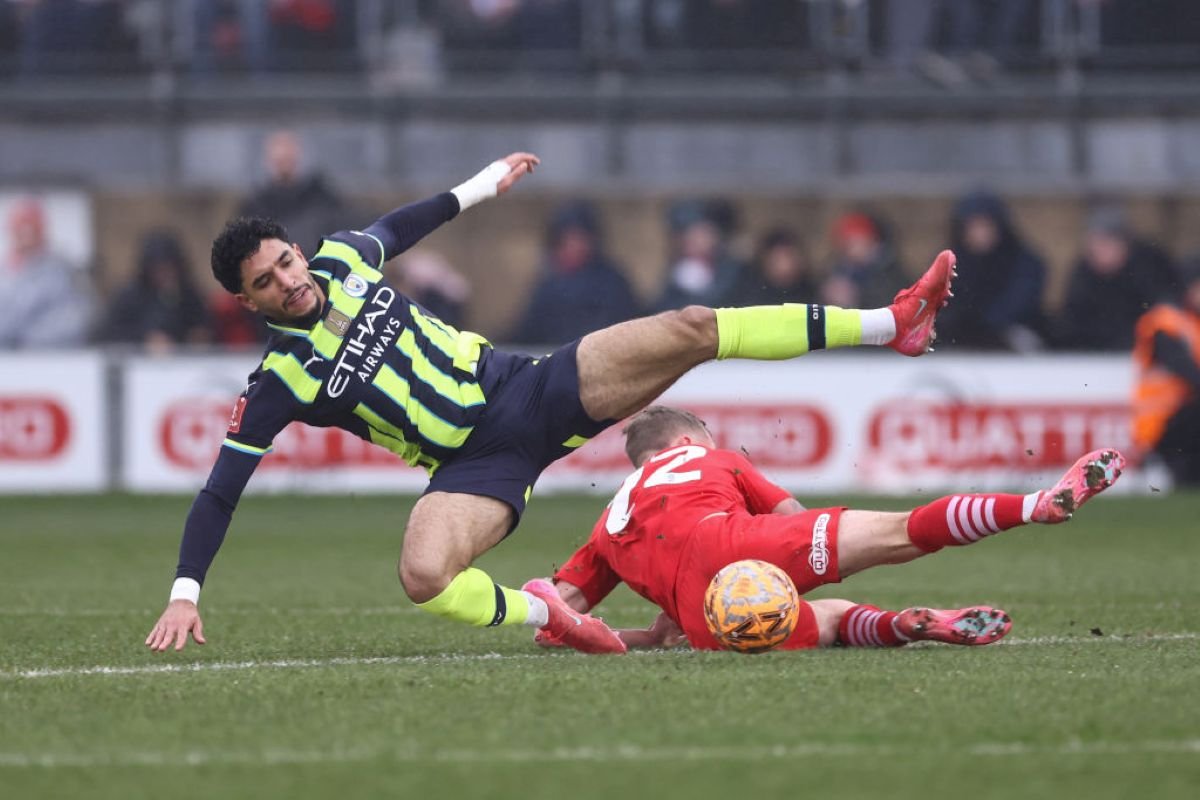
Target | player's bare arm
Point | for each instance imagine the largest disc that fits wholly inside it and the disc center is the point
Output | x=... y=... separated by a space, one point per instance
x=573 y=596
x=662 y=633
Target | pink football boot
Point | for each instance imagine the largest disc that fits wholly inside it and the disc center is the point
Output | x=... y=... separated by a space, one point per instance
x=965 y=626
x=568 y=627
x=916 y=307
x=1087 y=477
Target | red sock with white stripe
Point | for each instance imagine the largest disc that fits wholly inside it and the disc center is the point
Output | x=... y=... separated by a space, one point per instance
x=869 y=626
x=966 y=518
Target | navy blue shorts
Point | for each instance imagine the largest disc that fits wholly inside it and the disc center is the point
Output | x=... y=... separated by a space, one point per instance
x=533 y=418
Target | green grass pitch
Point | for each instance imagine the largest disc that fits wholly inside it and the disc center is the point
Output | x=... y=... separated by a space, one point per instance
x=321 y=680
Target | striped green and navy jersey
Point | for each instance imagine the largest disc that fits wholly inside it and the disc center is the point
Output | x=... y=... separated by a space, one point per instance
x=369 y=361
x=372 y=362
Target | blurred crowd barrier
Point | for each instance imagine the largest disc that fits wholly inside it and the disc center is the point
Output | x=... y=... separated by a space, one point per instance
x=94 y=421
x=945 y=41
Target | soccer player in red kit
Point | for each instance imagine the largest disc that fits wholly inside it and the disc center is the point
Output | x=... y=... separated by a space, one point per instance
x=690 y=509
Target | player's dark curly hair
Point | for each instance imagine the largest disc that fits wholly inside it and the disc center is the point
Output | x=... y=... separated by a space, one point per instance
x=240 y=240
x=653 y=429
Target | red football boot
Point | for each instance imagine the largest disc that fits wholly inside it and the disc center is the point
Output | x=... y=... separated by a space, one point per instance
x=1087 y=477
x=567 y=626
x=966 y=626
x=916 y=307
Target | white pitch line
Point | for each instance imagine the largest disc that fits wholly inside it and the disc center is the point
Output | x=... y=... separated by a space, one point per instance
x=267 y=611
x=1107 y=639
x=619 y=753
x=285 y=663
x=446 y=658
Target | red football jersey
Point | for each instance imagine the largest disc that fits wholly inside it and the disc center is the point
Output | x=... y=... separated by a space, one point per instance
x=650 y=524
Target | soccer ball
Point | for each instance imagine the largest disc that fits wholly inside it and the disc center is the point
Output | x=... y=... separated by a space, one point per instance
x=751 y=606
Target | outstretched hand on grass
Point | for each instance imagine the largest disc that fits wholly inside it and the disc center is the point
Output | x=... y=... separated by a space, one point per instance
x=181 y=618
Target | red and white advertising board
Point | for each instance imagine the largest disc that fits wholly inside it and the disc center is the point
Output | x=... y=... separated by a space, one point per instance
x=851 y=422
x=827 y=423
x=177 y=411
x=53 y=423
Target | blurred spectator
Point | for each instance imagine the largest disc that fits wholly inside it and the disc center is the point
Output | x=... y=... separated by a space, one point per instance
x=580 y=289
x=1117 y=279
x=780 y=273
x=478 y=24
x=910 y=28
x=998 y=292
x=307 y=26
x=1167 y=393
x=72 y=35
x=989 y=29
x=733 y=24
x=549 y=25
x=160 y=307
x=1156 y=24
x=47 y=300
x=528 y=33
x=701 y=270
x=724 y=25
x=233 y=325
x=262 y=35
x=427 y=278
x=865 y=272
x=10 y=36
x=979 y=34
x=303 y=202
x=231 y=33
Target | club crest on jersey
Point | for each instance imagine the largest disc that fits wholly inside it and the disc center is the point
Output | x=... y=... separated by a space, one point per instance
x=354 y=285
x=337 y=323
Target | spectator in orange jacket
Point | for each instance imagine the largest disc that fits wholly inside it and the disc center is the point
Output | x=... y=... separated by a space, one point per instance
x=1166 y=399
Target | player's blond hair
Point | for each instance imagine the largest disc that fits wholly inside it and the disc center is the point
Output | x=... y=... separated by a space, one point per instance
x=653 y=429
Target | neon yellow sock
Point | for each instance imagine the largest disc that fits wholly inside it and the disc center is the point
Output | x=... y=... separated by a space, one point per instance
x=473 y=598
x=772 y=333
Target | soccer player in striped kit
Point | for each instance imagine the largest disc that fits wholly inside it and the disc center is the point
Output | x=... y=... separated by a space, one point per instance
x=690 y=509
x=349 y=351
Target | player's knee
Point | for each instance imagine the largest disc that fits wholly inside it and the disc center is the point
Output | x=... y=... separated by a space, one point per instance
x=422 y=579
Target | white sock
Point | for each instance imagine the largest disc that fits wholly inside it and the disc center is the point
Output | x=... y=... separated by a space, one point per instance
x=539 y=614
x=1027 y=506
x=878 y=326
